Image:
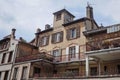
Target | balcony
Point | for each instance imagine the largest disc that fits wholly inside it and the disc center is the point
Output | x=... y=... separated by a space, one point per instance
x=69 y=58
x=104 y=44
x=34 y=57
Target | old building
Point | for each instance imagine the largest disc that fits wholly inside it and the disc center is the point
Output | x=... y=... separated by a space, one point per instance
x=69 y=49
x=7 y=53
x=103 y=45
x=66 y=42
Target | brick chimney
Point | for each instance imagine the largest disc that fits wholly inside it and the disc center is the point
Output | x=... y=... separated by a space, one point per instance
x=37 y=36
x=13 y=33
x=89 y=12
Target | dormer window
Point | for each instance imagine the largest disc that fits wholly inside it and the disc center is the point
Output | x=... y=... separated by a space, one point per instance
x=58 y=17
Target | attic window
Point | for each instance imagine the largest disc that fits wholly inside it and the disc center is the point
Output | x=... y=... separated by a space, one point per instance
x=58 y=17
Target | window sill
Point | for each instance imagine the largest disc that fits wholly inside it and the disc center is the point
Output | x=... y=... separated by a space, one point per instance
x=57 y=42
x=3 y=49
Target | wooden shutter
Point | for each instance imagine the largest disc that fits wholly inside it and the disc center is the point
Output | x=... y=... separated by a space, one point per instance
x=78 y=31
x=67 y=50
x=77 y=49
x=61 y=36
x=40 y=41
x=47 y=40
x=68 y=34
x=53 y=37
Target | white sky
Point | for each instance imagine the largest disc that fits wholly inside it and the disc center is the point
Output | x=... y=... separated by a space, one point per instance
x=28 y=15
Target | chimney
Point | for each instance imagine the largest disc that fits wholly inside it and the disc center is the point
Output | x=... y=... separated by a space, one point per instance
x=89 y=12
x=38 y=30
x=37 y=36
x=13 y=33
x=47 y=26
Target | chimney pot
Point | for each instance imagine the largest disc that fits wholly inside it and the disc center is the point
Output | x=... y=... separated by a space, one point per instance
x=47 y=26
x=38 y=30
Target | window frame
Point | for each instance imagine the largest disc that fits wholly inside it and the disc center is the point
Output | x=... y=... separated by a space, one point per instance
x=58 y=17
x=72 y=51
x=73 y=33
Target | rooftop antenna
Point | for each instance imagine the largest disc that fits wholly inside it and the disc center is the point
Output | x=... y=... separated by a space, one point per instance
x=64 y=7
x=88 y=4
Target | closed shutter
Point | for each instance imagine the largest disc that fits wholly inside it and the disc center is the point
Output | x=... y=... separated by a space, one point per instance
x=68 y=34
x=53 y=37
x=77 y=49
x=61 y=36
x=67 y=50
x=78 y=31
x=47 y=42
x=40 y=41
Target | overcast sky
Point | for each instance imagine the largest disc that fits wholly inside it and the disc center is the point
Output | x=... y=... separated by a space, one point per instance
x=28 y=15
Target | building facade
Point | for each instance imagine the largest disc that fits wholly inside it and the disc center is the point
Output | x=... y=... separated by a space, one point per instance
x=69 y=49
x=7 y=55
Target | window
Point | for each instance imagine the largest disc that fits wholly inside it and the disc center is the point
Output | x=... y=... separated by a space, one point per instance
x=118 y=68
x=6 y=75
x=15 y=73
x=3 y=58
x=44 y=41
x=0 y=75
x=57 y=37
x=24 y=73
x=72 y=52
x=58 y=17
x=36 y=72
x=10 y=56
x=72 y=33
x=56 y=53
x=93 y=71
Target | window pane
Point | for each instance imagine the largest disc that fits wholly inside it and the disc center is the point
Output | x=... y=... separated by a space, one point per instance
x=3 y=58
x=56 y=53
x=0 y=75
x=10 y=56
x=73 y=33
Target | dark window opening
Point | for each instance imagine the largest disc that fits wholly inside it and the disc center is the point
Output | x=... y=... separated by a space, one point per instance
x=6 y=75
x=10 y=56
x=15 y=73
x=58 y=17
x=118 y=67
x=3 y=58
x=93 y=71
x=36 y=72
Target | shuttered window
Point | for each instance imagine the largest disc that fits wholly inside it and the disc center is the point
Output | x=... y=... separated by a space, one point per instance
x=44 y=41
x=57 y=37
x=73 y=33
x=72 y=52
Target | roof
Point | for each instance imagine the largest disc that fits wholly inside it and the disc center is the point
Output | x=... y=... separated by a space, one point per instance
x=28 y=44
x=64 y=10
x=75 y=21
x=50 y=29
